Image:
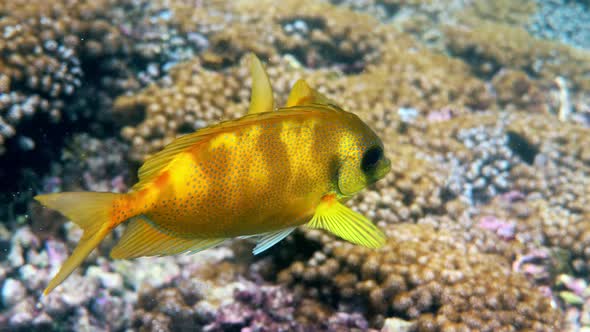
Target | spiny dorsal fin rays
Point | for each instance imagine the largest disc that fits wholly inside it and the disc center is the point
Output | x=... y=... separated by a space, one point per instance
x=261 y=99
x=303 y=94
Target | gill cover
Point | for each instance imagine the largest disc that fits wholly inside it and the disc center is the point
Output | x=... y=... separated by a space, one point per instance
x=350 y=178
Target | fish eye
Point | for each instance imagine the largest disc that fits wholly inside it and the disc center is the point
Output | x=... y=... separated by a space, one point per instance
x=370 y=158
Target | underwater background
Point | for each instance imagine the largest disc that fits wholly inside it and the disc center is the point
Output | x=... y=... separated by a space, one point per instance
x=483 y=108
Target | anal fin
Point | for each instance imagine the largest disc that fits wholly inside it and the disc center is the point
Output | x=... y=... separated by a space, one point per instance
x=270 y=239
x=141 y=238
x=333 y=216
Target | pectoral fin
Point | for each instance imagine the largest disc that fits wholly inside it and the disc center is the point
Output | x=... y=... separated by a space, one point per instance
x=333 y=216
x=270 y=239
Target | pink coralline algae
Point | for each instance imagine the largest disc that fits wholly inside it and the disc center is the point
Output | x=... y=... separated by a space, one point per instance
x=513 y=196
x=443 y=114
x=506 y=230
x=56 y=253
x=536 y=265
x=266 y=309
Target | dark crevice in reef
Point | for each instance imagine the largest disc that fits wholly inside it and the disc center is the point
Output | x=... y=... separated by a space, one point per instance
x=319 y=54
x=522 y=147
x=87 y=110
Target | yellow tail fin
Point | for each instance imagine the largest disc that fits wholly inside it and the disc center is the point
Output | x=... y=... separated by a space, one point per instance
x=92 y=212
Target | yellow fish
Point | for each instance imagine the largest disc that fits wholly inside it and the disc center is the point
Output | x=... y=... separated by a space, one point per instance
x=261 y=175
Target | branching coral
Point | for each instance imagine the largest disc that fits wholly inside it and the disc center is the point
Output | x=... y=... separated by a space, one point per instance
x=221 y=300
x=197 y=98
x=192 y=96
x=62 y=63
x=41 y=57
x=563 y=162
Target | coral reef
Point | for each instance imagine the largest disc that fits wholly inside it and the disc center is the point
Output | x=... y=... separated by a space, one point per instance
x=197 y=98
x=192 y=96
x=102 y=295
x=529 y=156
x=515 y=91
x=565 y=21
x=232 y=305
x=426 y=276
x=486 y=48
x=27 y=268
x=574 y=293
x=487 y=125
x=504 y=11
x=343 y=38
x=561 y=159
x=42 y=61
x=231 y=297
x=61 y=65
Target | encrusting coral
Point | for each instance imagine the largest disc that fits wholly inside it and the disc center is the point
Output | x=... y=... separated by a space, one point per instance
x=504 y=11
x=489 y=47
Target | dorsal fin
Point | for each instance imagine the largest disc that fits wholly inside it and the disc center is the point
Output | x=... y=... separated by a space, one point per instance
x=302 y=94
x=157 y=162
x=261 y=99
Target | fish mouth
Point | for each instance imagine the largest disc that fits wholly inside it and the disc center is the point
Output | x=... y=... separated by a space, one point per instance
x=384 y=169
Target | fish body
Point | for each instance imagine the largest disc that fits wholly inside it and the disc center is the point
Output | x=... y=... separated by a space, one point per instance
x=257 y=174
x=261 y=175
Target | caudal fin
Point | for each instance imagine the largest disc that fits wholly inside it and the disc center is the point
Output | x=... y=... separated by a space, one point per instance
x=92 y=212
